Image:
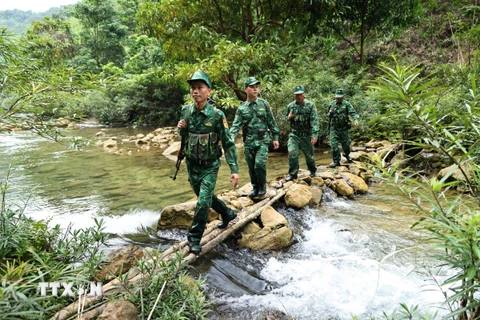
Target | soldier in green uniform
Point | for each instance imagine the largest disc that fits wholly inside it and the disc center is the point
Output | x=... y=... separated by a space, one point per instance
x=255 y=118
x=303 y=118
x=201 y=127
x=339 y=112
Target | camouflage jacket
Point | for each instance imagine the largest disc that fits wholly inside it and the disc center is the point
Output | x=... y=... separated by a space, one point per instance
x=207 y=127
x=256 y=120
x=340 y=116
x=305 y=118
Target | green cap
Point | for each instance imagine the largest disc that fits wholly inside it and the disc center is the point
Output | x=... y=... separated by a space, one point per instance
x=200 y=75
x=298 y=90
x=339 y=93
x=251 y=81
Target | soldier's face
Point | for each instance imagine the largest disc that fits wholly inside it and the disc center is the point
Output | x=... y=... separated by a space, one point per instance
x=252 y=91
x=199 y=91
x=299 y=98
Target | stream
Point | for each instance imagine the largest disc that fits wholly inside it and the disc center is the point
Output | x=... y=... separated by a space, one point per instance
x=350 y=257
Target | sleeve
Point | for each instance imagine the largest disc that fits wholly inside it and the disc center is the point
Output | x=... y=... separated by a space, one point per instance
x=352 y=112
x=314 y=120
x=236 y=125
x=227 y=142
x=272 y=124
x=288 y=112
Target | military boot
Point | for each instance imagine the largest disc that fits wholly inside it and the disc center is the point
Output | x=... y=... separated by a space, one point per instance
x=262 y=190
x=194 y=243
x=335 y=164
x=290 y=178
x=349 y=160
x=226 y=219
x=195 y=248
x=253 y=193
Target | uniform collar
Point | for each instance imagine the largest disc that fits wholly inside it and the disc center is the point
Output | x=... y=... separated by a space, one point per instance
x=206 y=109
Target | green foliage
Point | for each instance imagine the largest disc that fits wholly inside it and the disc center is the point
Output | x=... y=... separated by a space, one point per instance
x=18 y=21
x=351 y=18
x=165 y=291
x=102 y=31
x=453 y=222
x=50 y=42
x=144 y=99
x=32 y=252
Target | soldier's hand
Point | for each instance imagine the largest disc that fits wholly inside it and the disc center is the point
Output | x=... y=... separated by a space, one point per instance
x=181 y=124
x=290 y=115
x=234 y=179
x=356 y=123
x=276 y=145
x=314 y=140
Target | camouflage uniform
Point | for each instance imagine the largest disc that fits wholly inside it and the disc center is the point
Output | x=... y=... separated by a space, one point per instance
x=202 y=152
x=256 y=120
x=339 y=125
x=304 y=126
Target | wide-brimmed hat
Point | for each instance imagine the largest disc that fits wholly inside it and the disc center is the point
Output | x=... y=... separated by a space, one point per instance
x=200 y=75
x=298 y=90
x=251 y=81
x=339 y=93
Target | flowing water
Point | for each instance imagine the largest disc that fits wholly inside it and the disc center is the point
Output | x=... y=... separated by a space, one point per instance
x=349 y=257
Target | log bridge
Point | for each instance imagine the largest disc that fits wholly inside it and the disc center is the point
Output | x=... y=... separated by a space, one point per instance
x=212 y=236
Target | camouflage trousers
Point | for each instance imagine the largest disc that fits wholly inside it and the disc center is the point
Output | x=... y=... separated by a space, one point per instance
x=295 y=145
x=256 y=158
x=340 y=136
x=202 y=179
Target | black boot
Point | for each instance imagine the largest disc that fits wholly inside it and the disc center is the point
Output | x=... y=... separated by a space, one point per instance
x=334 y=164
x=290 y=178
x=226 y=220
x=253 y=193
x=262 y=190
x=349 y=160
x=195 y=248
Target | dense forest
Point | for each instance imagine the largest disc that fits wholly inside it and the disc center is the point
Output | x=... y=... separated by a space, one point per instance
x=18 y=21
x=408 y=67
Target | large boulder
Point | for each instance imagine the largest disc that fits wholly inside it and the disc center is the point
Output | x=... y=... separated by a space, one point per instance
x=118 y=260
x=357 y=183
x=298 y=195
x=317 y=194
x=181 y=215
x=119 y=310
x=266 y=238
x=341 y=187
x=272 y=219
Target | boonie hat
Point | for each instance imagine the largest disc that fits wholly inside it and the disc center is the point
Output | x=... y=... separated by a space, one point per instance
x=200 y=75
x=298 y=90
x=339 y=93
x=251 y=81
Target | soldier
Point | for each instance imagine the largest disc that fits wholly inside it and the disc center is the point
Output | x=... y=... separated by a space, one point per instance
x=256 y=120
x=339 y=111
x=202 y=126
x=303 y=118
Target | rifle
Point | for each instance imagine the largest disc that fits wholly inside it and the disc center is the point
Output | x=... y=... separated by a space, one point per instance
x=177 y=165
x=180 y=154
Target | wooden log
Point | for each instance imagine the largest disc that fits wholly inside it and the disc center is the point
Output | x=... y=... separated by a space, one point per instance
x=210 y=239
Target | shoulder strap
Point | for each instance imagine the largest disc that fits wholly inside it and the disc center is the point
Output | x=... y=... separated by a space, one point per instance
x=187 y=116
x=214 y=124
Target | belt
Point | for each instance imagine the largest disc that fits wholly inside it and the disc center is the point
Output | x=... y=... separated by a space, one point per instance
x=202 y=162
x=302 y=134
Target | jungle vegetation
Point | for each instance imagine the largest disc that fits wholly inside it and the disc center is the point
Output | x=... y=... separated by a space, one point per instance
x=410 y=69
